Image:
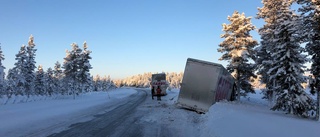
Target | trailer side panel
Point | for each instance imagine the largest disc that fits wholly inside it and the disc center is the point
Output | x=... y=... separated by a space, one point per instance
x=203 y=84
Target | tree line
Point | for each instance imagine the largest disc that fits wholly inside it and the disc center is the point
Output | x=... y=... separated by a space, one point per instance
x=70 y=78
x=280 y=57
x=143 y=80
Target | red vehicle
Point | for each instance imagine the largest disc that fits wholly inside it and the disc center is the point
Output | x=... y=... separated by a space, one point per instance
x=159 y=80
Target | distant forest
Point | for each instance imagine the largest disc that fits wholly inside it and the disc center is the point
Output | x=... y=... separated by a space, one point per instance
x=143 y=80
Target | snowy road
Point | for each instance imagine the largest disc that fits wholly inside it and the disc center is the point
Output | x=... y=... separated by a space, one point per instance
x=122 y=112
x=147 y=118
x=118 y=122
x=138 y=116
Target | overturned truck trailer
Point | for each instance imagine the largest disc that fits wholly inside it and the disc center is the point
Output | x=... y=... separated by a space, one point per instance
x=203 y=84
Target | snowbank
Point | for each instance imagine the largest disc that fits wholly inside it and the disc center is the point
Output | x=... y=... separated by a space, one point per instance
x=252 y=117
x=24 y=118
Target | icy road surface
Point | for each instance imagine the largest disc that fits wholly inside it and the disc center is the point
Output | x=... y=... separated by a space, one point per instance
x=136 y=116
x=120 y=121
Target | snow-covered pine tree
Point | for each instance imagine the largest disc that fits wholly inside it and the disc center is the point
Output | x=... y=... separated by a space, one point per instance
x=40 y=87
x=90 y=86
x=112 y=85
x=287 y=65
x=2 y=74
x=12 y=79
x=30 y=66
x=105 y=83
x=94 y=88
x=95 y=81
x=109 y=82
x=21 y=71
x=108 y=79
x=69 y=72
x=58 y=73
x=58 y=79
x=100 y=83
x=310 y=28
x=71 y=69
x=263 y=55
x=83 y=75
x=50 y=82
x=237 y=49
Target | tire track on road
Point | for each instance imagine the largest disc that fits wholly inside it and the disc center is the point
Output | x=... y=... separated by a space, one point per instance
x=107 y=124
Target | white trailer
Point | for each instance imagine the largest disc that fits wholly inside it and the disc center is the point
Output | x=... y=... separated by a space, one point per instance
x=203 y=84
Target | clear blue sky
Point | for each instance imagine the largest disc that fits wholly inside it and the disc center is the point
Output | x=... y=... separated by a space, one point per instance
x=126 y=37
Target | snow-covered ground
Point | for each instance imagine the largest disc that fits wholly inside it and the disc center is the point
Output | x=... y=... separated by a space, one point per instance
x=249 y=118
x=252 y=117
x=25 y=118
